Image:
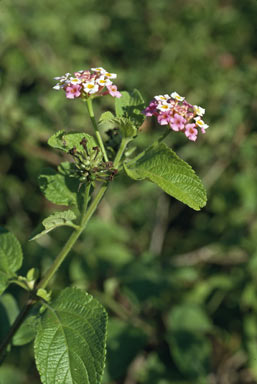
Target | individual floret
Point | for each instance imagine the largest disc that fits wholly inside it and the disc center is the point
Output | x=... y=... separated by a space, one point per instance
x=90 y=87
x=177 y=97
x=199 y=111
x=72 y=91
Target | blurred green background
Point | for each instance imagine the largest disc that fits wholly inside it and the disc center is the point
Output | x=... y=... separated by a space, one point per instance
x=180 y=286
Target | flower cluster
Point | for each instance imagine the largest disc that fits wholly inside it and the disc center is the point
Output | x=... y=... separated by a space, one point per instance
x=83 y=84
x=175 y=111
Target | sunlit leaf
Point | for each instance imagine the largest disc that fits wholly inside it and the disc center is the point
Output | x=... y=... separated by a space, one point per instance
x=66 y=141
x=55 y=220
x=163 y=167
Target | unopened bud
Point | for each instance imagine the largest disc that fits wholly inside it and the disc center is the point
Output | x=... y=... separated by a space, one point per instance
x=73 y=151
x=84 y=145
x=96 y=149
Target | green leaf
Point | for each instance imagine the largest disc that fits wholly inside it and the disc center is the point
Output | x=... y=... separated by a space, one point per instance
x=127 y=127
x=10 y=257
x=55 y=220
x=3 y=282
x=46 y=296
x=70 y=342
x=66 y=141
x=27 y=331
x=67 y=169
x=130 y=105
x=106 y=120
x=132 y=99
x=121 y=103
x=59 y=218
x=8 y=312
x=160 y=165
x=106 y=116
x=58 y=188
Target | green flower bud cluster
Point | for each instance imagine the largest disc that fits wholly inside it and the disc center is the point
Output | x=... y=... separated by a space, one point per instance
x=89 y=165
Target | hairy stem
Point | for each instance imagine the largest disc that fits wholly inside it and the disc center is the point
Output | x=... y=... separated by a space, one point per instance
x=94 y=123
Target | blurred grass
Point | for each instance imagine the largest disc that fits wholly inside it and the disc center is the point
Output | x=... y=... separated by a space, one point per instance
x=148 y=259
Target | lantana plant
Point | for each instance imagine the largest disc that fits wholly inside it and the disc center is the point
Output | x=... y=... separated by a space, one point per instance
x=69 y=328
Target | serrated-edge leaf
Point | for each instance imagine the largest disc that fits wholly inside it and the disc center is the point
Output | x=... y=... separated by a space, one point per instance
x=132 y=99
x=161 y=165
x=70 y=344
x=127 y=126
x=57 y=219
x=136 y=98
x=106 y=116
x=122 y=102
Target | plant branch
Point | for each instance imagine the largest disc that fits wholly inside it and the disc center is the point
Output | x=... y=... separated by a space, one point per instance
x=94 y=123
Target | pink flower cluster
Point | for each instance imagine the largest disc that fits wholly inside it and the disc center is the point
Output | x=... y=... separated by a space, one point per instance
x=83 y=84
x=175 y=111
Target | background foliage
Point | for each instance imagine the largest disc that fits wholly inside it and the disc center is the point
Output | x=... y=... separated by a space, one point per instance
x=179 y=286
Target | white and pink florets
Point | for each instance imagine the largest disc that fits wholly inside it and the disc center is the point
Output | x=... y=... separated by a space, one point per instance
x=83 y=84
x=175 y=111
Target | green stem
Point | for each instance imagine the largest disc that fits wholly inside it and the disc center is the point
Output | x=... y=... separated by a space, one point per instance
x=86 y=201
x=94 y=123
x=86 y=215
x=124 y=143
x=59 y=259
x=93 y=206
